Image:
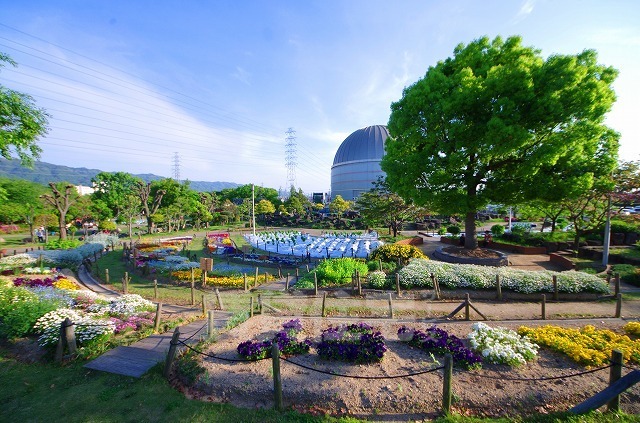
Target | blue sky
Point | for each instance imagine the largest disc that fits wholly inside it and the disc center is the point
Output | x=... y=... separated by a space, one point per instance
x=130 y=83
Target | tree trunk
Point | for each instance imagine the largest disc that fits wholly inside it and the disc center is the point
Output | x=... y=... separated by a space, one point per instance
x=62 y=226
x=470 y=241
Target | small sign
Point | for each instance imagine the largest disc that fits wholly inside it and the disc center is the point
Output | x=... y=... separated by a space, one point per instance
x=206 y=264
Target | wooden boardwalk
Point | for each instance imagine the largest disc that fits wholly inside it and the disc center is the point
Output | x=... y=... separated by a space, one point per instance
x=136 y=359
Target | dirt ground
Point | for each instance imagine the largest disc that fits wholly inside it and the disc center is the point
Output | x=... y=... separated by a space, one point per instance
x=486 y=392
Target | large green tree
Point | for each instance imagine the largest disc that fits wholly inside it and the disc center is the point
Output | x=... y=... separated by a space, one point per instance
x=112 y=193
x=21 y=123
x=497 y=123
x=381 y=206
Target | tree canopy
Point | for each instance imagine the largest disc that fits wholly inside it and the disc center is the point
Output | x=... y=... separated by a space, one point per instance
x=21 y=123
x=497 y=123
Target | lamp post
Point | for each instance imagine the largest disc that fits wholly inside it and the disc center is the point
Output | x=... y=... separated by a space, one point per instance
x=607 y=234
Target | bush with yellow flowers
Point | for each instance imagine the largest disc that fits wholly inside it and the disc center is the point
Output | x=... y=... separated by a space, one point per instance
x=588 y=346
x=64 y=283
x=227 y=281
x=632 y=328
x=393 y=252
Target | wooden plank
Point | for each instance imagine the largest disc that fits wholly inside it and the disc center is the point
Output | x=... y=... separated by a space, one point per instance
x=607 y=394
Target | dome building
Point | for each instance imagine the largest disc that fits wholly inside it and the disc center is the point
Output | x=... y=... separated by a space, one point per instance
x=356 y=164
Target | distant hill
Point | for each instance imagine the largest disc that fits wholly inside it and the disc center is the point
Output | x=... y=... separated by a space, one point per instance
x=43 y=173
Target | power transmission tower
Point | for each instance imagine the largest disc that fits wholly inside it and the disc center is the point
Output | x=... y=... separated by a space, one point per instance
x=290 y=158
x=176 y=166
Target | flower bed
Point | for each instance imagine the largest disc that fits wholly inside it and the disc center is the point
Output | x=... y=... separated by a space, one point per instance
x=286 y=339
x=455 y=276
x=501 y=345
x=357 y=343
x=588 y=346
x=439 y=341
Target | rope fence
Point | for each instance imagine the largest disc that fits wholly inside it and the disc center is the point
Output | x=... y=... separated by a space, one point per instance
x=611 y=392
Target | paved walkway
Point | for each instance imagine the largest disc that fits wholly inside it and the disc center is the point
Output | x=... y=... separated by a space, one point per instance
x=138 y=358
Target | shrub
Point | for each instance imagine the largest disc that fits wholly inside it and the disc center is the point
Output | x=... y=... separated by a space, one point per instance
x=338 y=271
x=286 y=339
x=438 y=341
x=628 y=273
x=377 y=279
x=620 y=226
x=417 y=274
x=497 y=230
x=395 y=252
x=357 y=343
x=501 y=345
x=453 y=229
x=62 y=244
x=588 y=346
x=632 y=328
x=20 y=309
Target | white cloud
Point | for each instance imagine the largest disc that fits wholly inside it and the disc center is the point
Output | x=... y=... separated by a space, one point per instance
x=242 y=75
x=525 y=10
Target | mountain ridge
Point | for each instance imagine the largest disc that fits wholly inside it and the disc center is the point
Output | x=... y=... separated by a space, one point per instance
x=43 y=173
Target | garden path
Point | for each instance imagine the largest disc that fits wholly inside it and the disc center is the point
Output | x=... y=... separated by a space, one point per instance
x=136 y=359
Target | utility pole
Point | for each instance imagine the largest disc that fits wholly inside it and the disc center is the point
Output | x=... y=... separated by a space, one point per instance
x=253 y=208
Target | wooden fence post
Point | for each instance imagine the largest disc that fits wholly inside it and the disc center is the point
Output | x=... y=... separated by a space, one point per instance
x=286 y=283
x=617 y=284
x=106 y=276
x=60 y=346
x=219 y=298
x=193 y=292
x=297 y=274
x=204 y=278
x=251 y=307
x=324 y=300
x=277 y=380
x=125 y=283
x=467 y=315
x=446 y=384
x=544 y=307
x=171 y=355
x=244 y=279
x=204 y=306
x=193 y=276
x=315 y=283
x=255 y=279
x=70 y=335
x=619 y=305
x=359 y=282
x=555 y=287
x=398 y=283
x=260 y=303
x=156 y=323
x=615 y=373
x=210 y=324
x=390 y=306
x=155 y=289
x=498 y=288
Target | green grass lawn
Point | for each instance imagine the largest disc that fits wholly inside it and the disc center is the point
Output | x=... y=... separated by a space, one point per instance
x=71 y=393
x=50 y=393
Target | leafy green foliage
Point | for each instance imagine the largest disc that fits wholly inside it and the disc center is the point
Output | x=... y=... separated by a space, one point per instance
x=628 y=273
x=19 y=310
x=338 y=271
x=21 y=123
x=62 y=244
x=498 y=123
x=497 y=230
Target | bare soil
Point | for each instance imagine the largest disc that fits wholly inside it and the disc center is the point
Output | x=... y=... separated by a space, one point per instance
x=495 y=390
x=481 y=253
